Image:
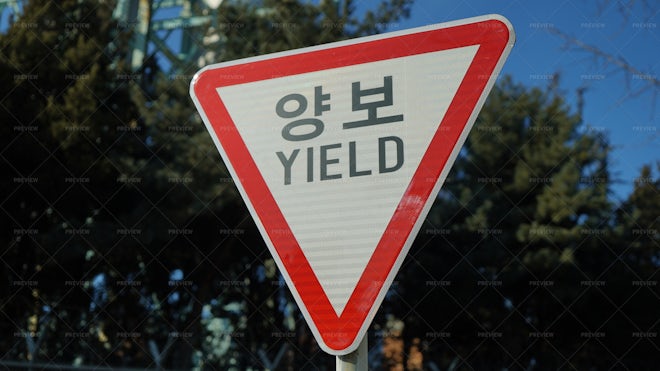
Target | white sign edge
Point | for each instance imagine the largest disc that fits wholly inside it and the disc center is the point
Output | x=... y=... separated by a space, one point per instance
x=429 y=202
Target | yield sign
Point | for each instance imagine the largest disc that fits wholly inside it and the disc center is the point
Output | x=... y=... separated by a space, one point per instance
x=339 y=150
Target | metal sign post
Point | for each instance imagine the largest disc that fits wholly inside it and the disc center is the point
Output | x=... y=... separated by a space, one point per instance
x=355 y=361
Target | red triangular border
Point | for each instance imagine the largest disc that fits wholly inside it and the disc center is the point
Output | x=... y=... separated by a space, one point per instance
x=339 y=335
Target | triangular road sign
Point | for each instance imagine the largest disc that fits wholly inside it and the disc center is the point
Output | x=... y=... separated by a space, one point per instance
x=339 y=150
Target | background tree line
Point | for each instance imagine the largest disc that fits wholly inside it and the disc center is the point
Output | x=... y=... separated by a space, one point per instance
x=126 y=244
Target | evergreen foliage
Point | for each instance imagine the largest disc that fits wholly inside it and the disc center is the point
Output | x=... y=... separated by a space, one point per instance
x=126 y=244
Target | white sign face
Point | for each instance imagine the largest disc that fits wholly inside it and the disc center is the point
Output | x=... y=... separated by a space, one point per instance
x=339 y=189
x=339 y=151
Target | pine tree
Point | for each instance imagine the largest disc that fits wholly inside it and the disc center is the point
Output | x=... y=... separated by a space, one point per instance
x=64 y=109
x=513 y=248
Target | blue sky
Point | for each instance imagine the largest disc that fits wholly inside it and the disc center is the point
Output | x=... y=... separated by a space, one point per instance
x=612 y=104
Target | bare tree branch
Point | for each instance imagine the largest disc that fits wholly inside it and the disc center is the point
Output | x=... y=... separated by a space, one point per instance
x=650 y=81
x=608 y=59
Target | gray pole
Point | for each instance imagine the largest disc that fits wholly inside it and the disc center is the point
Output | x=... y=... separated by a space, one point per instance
x=356 y=361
